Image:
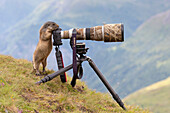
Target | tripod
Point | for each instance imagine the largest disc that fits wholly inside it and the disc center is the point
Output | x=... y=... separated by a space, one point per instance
x=80 y=59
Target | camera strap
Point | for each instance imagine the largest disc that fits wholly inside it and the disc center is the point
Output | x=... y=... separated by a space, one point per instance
x=73 y=44
x=60 y=63
x=77 y=70
x=59 y=58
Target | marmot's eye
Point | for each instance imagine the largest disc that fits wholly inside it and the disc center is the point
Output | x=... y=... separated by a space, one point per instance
x=53 y=24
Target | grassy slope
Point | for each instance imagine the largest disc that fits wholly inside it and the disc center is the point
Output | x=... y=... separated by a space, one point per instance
x=18 y=92
x=156 y=97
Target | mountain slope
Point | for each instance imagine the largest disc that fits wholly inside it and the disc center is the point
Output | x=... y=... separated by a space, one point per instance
x=19 y=93
x=155 y=97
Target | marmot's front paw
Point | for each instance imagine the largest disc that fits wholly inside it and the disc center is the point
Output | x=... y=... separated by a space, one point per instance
x=37 y=74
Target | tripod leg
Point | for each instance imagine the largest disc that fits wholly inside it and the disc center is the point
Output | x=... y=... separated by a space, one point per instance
x=73 y=82
x=113 y=93
x=55 y=74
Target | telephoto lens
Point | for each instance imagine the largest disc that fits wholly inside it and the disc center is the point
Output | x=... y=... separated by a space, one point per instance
x=106 y=33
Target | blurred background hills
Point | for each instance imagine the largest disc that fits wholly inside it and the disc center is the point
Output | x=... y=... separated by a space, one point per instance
x=154 y=97
x=141 y=60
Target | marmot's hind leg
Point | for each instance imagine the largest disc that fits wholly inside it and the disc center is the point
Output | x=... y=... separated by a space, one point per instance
x=44 y=63
x=36 y=65
x=33 y=70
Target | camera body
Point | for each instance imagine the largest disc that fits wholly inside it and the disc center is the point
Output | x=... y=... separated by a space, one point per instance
x=80 y=47
x=57 y=37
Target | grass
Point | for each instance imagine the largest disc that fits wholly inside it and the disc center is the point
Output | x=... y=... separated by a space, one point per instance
x=154 y=97
x=18 y=93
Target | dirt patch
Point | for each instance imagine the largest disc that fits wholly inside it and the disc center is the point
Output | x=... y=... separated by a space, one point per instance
x=80 y=89
x=84 y=109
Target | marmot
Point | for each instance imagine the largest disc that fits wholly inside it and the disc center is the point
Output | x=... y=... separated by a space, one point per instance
x=44 y=46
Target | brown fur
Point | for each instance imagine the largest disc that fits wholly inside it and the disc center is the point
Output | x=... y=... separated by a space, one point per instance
x=44 y=46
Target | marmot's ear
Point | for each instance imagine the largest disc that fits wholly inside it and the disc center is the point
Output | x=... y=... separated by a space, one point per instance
x=40 y=31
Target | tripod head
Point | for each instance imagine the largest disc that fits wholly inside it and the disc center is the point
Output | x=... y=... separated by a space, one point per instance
x=80 y=48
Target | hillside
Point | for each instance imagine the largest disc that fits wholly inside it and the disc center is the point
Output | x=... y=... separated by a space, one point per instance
x=155 y=97
x=141 y=60
x=18 y=93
